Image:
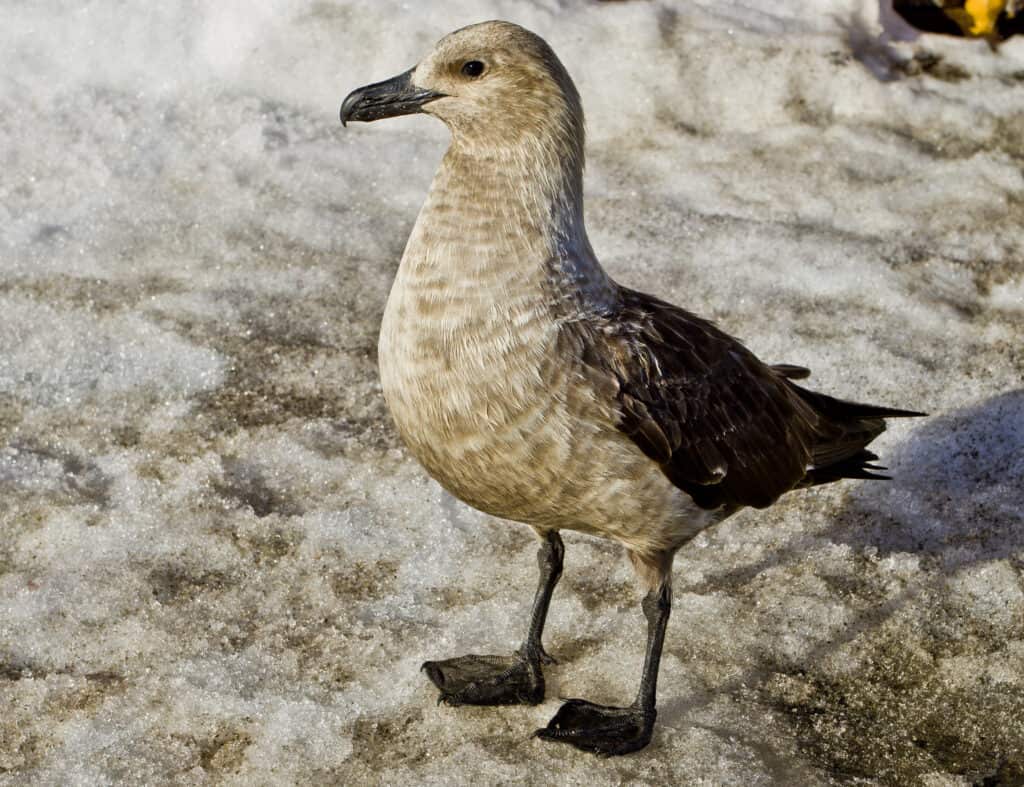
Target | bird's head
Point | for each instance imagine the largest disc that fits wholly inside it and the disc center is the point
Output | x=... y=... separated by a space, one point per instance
x=494 y=84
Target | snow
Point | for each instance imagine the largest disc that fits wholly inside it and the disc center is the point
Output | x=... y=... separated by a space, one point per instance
x=217 y=563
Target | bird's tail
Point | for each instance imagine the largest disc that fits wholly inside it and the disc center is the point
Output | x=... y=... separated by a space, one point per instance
x=846 y=430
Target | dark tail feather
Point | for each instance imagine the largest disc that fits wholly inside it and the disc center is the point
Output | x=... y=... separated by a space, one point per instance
x=791 y=371
x=841 y=410
x=850 y=427
x=856 y=466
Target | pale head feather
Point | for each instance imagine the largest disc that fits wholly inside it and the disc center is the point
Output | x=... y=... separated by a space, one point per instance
x=523 y=103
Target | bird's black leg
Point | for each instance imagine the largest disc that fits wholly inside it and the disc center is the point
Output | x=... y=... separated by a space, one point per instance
x=608 y=730
x=506 y=680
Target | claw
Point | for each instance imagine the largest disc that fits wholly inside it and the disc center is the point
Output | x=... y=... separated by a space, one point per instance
x=546 y=658
x=536 y=654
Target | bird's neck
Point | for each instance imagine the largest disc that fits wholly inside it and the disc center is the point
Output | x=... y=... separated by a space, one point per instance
x=513 y=215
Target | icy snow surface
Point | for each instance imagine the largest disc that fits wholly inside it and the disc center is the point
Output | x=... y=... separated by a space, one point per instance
x=217 y=563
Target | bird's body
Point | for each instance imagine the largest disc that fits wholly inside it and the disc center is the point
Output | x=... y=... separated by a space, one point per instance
x=535 y=388
x=482 y=366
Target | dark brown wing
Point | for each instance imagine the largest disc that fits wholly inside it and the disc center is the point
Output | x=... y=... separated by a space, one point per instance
x=724 y=427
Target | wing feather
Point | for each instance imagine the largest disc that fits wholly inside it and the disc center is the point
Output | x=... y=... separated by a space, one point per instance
x=723 y=426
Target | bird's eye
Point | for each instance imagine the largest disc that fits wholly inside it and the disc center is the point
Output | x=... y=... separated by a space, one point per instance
x=472 y=68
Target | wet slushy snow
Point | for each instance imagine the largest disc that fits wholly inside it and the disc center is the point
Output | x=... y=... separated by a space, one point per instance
x=217 y=563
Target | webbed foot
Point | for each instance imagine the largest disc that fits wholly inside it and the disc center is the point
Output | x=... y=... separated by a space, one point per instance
x=601 y=729
x=487 y=680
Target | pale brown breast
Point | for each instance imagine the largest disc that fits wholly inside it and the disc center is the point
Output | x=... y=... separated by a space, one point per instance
x=475 y=396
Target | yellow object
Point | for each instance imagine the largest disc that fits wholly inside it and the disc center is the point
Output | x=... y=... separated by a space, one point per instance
x=982 y=16
x=992 y=20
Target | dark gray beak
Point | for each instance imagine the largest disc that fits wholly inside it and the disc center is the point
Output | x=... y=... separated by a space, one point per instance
x=387 y=99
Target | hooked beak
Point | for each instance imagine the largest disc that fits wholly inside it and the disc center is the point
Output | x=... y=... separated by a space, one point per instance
x=390 y=98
